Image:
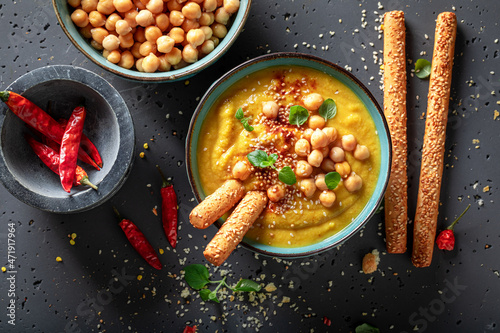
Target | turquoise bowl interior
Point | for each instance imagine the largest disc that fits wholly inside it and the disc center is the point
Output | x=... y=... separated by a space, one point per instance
x=280 y=59
x=63 y=12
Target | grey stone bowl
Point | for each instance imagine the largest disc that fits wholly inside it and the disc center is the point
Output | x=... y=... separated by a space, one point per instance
x=108 y=124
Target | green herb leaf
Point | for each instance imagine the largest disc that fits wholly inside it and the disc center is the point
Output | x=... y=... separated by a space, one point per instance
x=239 y=114
x=287 y=176
x=298 y=115
x=213 y=296
x=422 y=68
x=247 y=285
x=244 y=121
x=196 y=276
x=271 y=159
x=367 y=328
x=328 y=109
x=258 y=158
x=332 y=180
x=204 y=294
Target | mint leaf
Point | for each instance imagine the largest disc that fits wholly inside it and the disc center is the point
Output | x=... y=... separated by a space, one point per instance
x=244 y=121
x=332 y=180
x=258 y=158
x=328 y=109
x=247 y=285
x=196 y=276
x=239 y=114
x=213 y=296
x=204 y=294
x=367 y=328
x=298 y=115
x=287 y=176
x=422 y=68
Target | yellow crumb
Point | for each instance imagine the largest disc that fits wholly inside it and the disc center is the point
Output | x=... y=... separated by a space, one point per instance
x=486 y=189
x=141 y=155
x=4 y=269
x=146 y=146
x=139 y=277
x=58 y=259
x=161 y=251
x=496 y=114
x=72 y=242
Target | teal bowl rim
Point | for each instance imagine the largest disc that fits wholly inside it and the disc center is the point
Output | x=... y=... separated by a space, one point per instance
x=64 y=18
x=345 y=77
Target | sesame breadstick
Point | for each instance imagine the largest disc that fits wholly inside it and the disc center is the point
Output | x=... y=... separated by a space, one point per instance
x=433 y=149
x=396 y=197
x=236 y=226
x=217 y=204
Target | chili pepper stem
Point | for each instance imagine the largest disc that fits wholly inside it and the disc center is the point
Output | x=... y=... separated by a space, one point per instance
x=163 y=178
x=117 y=213
x=4 y=96
x=85 y=181
x=458 y=218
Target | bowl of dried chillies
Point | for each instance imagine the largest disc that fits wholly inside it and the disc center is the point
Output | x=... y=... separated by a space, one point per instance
x=66 y=139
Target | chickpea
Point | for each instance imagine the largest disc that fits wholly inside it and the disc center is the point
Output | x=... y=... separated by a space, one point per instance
x=308 y=187
x=361 y=152
x=316 y=121
x=320 y=183
x=127 y=40
x=206 y=18
x=122 y=27
x=189 y=54
x=181 y=64
x=162 y=21
x=343 y=168
x=111 y=21
x=276 y=192
x=89 y=5
x=177 y=34
x=219 y=30
x=313 y=101
x=176 y=18
x=221 y=16
x=302 y=147
x=135 y=50
x=174 y=57
x=145 y=18
x=76 y=3
x=209 y=5
x=195 y=37
x=315 y=158
x=105 y=7
x=98 y=34
x=140 y=35
x=105 y=53
x=331 y=133
x=150 y=63
x=207 y=47
x=110 y=43
x=270 y=109
x=174 y=5
x=307 y=134
x=207 y=31
x=190 y=24
x=123 y=5
x=147 y=48
x=241 y=170
x=80 y=18
x=220 y=3
x=165 y=44
x=96 y=45
x=126 y=60
x=164 y=64
x=327 y=198
x=191 y=11
x=337 y=154
x=231 y=6
x=325 y=151
x=327 y=165
x=155 y=7
x=139 y=5
x=215 y=40
x=353 y=183
x=85 y=31
x=349 y=142
x=303 y=169
x=138 y=64
x=130 y=18
x=114 y=56
x=96 y=19
x=319 y=139
x=152 y=33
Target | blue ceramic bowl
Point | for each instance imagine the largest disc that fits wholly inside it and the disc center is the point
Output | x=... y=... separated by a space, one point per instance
x=63 y=12
x=289 y=59
x=108 y=124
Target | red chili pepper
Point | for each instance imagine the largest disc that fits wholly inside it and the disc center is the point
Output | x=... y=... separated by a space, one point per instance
x=139 y=241
x=50 y=158
x=189 y=329
x=69 y=147
x=446 y=238
x=39 y=120
x=168 y=210
x=88 y=146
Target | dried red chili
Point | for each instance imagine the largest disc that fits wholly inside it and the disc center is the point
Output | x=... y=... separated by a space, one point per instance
x=139 y=241
x=70 y=145
x=39 y=120
x=189 y=329
x=446 y=238
x=168 y=209
x=50 y=158
x=88 y=147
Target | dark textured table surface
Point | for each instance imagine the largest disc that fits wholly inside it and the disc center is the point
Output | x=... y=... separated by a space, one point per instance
x=96 y=287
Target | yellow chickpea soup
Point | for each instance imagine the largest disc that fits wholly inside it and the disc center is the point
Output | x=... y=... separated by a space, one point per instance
x=302 y=121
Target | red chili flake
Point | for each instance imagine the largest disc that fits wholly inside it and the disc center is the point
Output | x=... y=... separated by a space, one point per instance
x=327 y=321
x=446 y=238
x=189 y=329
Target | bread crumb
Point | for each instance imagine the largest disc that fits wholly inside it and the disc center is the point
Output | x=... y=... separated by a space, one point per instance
x=496 y=114
x=486 y=189
x=370 y=262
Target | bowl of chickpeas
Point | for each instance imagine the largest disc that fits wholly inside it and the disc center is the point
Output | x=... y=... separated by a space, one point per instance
x=304 y=132
x=152 y=40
